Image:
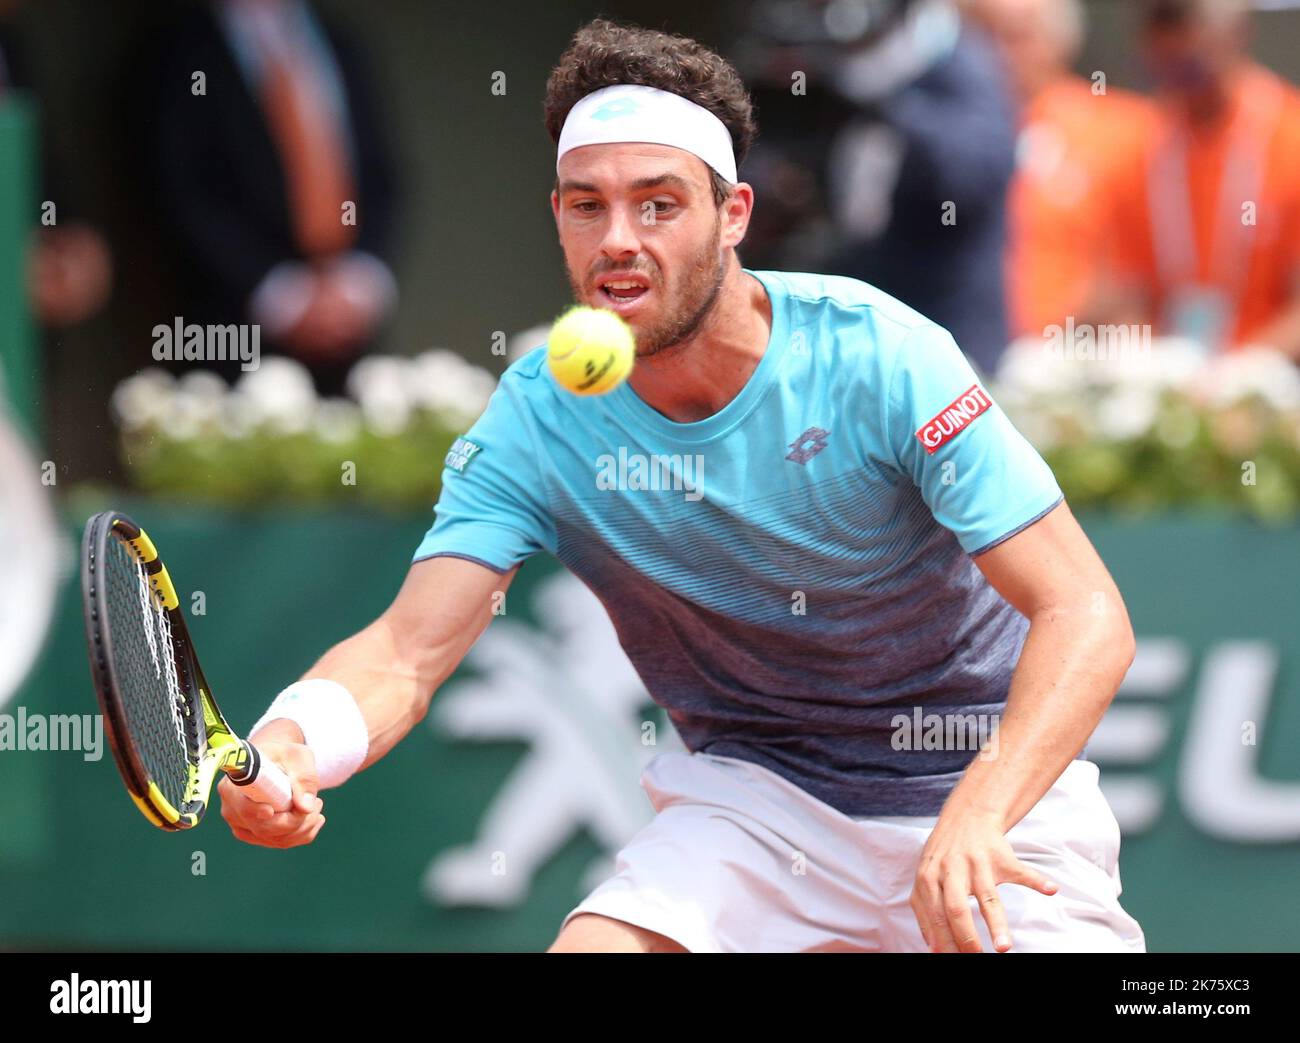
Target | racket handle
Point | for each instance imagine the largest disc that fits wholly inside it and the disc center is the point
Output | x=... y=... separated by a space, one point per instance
x=265 y=781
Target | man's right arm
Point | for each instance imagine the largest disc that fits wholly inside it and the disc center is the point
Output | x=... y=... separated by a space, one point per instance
x=392 y=669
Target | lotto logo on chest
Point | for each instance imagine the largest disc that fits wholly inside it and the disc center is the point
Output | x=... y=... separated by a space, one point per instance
x=954 y=418
x=808 y=445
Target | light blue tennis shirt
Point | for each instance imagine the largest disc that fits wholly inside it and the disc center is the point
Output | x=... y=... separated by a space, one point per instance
x=792 y=577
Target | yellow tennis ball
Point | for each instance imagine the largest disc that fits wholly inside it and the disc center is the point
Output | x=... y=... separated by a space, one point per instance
x=590 y=350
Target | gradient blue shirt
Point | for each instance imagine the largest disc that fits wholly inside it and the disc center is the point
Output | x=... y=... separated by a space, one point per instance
x=792 y=577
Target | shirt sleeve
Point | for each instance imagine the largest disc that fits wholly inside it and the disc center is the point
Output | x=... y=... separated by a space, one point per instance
x=492 y=508
x=979 y=476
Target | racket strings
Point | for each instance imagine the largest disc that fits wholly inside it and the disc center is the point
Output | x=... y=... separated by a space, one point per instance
x=146 y=617
x=145 y=664
x=158 y=628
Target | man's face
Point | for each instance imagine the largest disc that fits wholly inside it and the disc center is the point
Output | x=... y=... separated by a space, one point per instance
x=642 y=237
x=1032 y=46
x=1192 y=58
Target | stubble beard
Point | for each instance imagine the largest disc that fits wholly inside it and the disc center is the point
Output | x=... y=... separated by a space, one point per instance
x=696 y=300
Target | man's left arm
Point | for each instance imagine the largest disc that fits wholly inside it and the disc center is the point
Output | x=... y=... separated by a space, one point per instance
x=1078 y=648
x=983 y=481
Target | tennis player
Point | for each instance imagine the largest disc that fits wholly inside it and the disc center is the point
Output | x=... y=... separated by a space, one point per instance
x=828 y=553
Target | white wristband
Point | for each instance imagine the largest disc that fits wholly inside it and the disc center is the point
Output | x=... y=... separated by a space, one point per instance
x=331 y=724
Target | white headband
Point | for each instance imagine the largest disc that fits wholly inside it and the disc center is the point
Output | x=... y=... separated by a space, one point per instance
x=631 y=112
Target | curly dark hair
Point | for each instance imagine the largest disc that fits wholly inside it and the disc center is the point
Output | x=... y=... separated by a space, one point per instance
x=603 y=53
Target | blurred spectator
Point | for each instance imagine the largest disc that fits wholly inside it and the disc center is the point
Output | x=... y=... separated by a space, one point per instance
x=274 y=173
x=1073 y=133
x=30 y=567
x=1205 y=223
x=69 y=267
x=907 y=136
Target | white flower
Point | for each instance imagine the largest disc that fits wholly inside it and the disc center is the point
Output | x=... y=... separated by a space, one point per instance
x=1116 y=394
x=187 y=418
x=1027 y=369
x=382 y=385
x=144 y=399
x=1154 y=366
x=1128 y=413
x=1176 y=363
x=201 y=394
x=386 y=375
x=1261 y=372
x=203 y=384
x=450 y=387
x=386 y=412
x=280 y=393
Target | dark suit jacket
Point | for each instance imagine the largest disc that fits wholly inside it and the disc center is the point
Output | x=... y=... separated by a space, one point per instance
x=220 y=184
x=960 y=134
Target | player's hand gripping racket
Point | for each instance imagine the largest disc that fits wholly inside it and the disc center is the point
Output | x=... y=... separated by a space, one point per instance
x=167 y=734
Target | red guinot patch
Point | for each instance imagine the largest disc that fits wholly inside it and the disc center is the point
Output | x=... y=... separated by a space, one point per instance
x=954 y=418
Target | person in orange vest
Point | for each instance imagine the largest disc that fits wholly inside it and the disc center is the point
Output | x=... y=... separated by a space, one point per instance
x=1203 y=225
x=1072 y=129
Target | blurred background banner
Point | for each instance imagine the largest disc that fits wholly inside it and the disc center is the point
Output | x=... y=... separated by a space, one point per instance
x=1008 y=167
x=535 y=746
x=19 y=370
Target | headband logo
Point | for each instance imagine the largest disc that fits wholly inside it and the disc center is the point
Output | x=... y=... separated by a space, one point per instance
x=627 y=112
x=612 y=110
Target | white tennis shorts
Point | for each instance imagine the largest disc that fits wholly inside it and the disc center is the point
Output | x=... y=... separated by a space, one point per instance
x=739 y=859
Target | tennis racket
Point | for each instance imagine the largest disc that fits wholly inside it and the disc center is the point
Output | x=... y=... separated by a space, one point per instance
x=166 y=732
